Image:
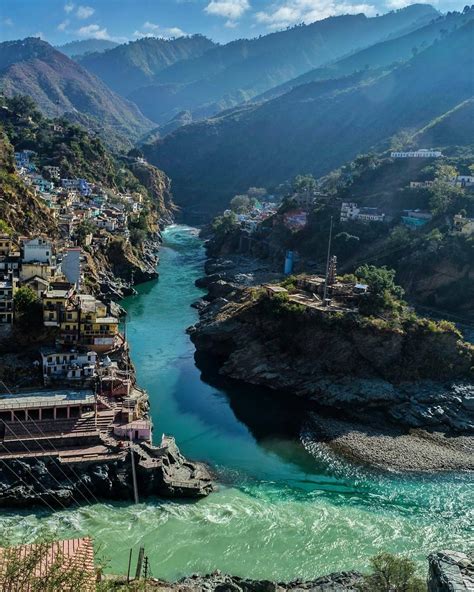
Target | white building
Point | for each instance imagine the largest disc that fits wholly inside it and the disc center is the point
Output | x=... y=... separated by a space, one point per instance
x=351 y=211
x=421 y=153
x=463 y=225
x=465 y=180
x=68 y=365
x=37 y=250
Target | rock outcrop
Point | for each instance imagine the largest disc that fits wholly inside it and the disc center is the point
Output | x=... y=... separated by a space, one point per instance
x=451 y=571
x=46 y=480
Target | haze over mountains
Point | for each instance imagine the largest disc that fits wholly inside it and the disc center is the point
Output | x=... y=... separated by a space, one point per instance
x=73 y=49
x=136 y=64
x=317 y=126
x=305 y=99
x=231 y=74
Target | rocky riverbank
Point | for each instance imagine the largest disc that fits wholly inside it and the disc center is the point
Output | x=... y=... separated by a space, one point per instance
x=48 y=480
x=413 y=382
x=448 y=571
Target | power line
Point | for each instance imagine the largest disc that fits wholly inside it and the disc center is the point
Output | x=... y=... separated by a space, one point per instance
x=43 y=449
x=57 y=451
x=26 y=484
x=39 y=483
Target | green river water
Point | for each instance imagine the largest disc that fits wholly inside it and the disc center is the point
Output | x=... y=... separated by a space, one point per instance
x=279 y=512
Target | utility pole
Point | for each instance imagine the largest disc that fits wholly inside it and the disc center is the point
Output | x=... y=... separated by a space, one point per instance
x=129 y=565
x=145 y=570
x=134 y=472
x=327 y=264
x=138 y=572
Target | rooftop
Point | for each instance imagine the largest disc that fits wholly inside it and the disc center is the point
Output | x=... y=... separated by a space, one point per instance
x=46 y=398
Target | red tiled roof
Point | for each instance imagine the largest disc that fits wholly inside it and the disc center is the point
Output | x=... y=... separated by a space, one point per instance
x=76 y=555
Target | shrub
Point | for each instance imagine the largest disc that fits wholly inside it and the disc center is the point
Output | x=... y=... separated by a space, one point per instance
x=391 y=573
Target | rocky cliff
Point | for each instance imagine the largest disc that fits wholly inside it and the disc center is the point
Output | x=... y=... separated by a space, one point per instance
x=61 y=484
x=414 y=374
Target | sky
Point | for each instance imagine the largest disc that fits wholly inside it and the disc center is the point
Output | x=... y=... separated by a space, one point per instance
x=60 y=21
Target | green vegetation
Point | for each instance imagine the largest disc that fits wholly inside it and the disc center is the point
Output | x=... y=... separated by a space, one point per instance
x=383 y=293
x=60 y=86
x=225 y=224
x=392 y=573
x=28 y=310
x=304 y=184
x=321 y=125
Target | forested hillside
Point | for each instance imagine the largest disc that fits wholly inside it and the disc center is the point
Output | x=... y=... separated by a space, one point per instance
x=319 y=126
x=383 y=54
x=77 y=153
x=133 y=65
x=231 y=74
x=60 y=86
x=73 y=49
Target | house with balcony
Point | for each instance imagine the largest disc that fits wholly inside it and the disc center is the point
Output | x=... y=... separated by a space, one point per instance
x=78 y=367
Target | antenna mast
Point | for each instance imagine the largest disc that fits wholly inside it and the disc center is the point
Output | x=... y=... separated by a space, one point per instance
x=327 y=264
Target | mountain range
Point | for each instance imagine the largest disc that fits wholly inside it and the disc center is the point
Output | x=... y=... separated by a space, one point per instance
x=319 y=125
x=230 y=74
x=133 y=65
x=73 y=49
x=60 y=86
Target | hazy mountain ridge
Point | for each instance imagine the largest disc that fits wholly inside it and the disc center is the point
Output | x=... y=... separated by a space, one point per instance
x=61 y=86
x=135 y=64
x=320 y=126
x=385 y=53
x=74 y=49
x=231 y=74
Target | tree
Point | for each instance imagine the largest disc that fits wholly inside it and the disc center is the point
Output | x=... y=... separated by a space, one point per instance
x=5 y=228
x=83 y=229
x=304 y=184
x=383 y=291
x=240 y=204
x=27 y=307
x=345 y=244
x=392 y=574
x=224 y=224
x=446 y=173
x=19 y=570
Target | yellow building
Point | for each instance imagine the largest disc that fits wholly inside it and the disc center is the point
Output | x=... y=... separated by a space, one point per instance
x=98 y=329
x=82 y=320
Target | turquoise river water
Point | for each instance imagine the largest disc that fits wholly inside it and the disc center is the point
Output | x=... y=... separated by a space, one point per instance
x=278 y=513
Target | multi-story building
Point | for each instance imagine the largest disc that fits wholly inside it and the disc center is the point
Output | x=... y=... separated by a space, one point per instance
x=69 y=366
x=81 y=318
x=38 y=250
x=8 y=288
x=351 y=211
x=421 y=153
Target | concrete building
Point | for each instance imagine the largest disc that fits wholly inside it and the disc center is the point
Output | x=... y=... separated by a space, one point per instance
x=68 y=366
x=463 y=225
x=416 y=218
x=8 y=288
x=351 y=211
x=421 y=153
x=38 y=250
x=46 y=405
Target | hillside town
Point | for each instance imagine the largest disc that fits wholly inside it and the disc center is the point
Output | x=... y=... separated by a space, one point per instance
x=78 y=401
x=75 y=201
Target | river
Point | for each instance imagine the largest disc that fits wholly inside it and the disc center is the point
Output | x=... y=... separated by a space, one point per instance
x=278 y=513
